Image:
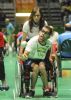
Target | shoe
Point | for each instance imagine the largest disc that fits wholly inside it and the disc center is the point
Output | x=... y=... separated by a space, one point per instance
x=32 y=93
x=47 y=93
x=54 y=94
x=22 y=95
x=2 y=88
x=27 y=95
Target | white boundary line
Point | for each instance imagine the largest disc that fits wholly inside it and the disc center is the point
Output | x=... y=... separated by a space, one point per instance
x=65 y=89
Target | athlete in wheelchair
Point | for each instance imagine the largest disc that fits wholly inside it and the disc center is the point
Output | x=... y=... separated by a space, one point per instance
x=35 y=56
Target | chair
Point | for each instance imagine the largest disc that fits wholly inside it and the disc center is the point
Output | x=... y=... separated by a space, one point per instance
x=64 y=53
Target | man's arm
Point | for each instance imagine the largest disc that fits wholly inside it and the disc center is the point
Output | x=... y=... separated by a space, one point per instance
x=22 y=47
x=24 y=56
x=25 y=30
x=5 y=38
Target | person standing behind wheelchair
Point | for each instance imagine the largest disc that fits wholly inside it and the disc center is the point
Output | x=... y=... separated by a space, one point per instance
x=35 y=52
x=31 y=28
x=34 y=24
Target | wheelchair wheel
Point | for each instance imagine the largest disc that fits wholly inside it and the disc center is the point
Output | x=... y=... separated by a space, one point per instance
x=17 y=80
x=55 y=80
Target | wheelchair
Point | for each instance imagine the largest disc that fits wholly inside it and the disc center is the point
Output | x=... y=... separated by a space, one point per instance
x=20 y=79
x=20 y=91
x=19 y=88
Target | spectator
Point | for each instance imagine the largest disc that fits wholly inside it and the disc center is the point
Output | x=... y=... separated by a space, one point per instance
x=10 y=31
x=53 y=38
x=2 y=69
x=66 y=34
x=54 y=35
x=19 y=38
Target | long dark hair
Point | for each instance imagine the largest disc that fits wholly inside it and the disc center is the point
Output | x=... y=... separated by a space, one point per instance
x=41 y=21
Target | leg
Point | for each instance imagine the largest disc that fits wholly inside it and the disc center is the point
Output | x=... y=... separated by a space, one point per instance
x=43 y=74
x=2 y=69
x=2 y=74
x=34 y=75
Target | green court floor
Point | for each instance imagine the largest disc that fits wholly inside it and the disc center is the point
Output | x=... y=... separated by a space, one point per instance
x=64 y=84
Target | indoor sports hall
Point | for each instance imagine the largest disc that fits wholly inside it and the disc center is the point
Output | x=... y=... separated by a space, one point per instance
x=57 y=14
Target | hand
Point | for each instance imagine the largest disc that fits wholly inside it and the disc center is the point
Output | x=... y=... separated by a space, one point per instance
x=52 y=58
x=19 y=58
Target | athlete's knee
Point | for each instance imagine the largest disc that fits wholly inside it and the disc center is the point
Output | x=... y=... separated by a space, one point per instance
x=35 y=69
x=42 y=67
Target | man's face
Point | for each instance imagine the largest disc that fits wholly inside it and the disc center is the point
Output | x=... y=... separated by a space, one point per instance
x=44 y=34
